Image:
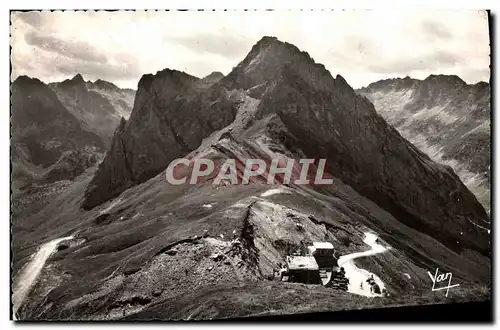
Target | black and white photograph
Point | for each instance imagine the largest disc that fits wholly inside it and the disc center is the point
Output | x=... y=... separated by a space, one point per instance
x=209 y=165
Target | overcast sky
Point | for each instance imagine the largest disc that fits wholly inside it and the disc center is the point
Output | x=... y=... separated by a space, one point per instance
x=363 y=46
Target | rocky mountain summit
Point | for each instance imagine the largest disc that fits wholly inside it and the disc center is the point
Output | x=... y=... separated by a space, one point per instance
x=444 y=117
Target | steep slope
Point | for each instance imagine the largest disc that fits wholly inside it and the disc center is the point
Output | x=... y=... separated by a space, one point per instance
x=444 y=117
x=171 y=116
x=98 y=105
x=144 y=248
x=43 y=131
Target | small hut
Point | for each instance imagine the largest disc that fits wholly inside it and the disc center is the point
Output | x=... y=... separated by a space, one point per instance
x=302 y=269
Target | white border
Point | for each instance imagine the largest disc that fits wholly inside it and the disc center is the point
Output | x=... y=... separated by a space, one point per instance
x=154 y=4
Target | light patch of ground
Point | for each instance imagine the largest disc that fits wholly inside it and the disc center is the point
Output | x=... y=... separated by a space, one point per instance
x=274 y=191
x=436 y=112
x=483 y=127
x=111 y=205
x=391 y=104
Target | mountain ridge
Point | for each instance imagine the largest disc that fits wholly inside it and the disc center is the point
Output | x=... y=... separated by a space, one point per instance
x=430 y=76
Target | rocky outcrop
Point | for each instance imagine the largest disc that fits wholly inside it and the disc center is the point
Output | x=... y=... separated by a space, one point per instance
x=444 y=117
x=98 y=105
x=171 y=116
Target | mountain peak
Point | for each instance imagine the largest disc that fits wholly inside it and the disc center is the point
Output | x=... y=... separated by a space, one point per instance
x=77 y=81
x=174 y=77
x=443 y=78
x=214 y=75
x=105 y=84
x=78 y=78
x=210 y=79
x=268 y=40
x=26 y=80
x=266 y=61
x=397 y=83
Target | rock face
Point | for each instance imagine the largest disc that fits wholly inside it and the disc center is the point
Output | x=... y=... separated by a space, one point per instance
x=444 y=117
x=171 y=116
x=43 y=130
x=98 y=105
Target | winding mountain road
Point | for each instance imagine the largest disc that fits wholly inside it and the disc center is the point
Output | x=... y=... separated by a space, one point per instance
x=358 y=276
x=30 y=272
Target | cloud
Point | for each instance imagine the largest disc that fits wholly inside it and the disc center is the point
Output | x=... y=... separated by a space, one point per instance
x=435 y=30
x=53 y=57
x=358 y=44
x=97 y=70
x=224 y=45
x=32 y=18
x=434 y=60
x=363 y=54
x=72 y=48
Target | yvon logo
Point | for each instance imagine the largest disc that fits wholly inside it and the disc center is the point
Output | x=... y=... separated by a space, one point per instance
x=438 y=278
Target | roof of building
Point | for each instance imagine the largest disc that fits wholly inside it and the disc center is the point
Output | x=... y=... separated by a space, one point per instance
x=323 y=245
x=302 y=262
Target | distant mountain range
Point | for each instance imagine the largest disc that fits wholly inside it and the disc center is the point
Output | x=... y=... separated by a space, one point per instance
x=98 y=105
x=444 y=117
x=54 y=123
